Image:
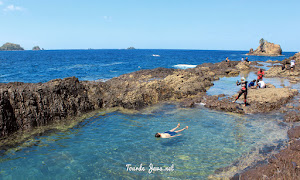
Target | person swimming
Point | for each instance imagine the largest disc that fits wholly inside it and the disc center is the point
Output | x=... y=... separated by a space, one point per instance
x=171 y=133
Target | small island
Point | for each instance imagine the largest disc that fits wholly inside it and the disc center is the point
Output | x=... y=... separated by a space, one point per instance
x=11 y=47
x=266 y=48
x=131 y=48
x=36 y=48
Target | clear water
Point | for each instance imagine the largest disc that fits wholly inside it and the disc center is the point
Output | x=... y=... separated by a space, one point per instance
x=42 y=66
x=100 y=147
x=227 y=85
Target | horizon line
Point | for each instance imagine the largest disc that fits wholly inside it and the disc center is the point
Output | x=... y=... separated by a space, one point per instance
x=137 y=49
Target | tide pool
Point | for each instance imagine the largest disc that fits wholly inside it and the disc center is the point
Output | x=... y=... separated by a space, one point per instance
x=102 y=146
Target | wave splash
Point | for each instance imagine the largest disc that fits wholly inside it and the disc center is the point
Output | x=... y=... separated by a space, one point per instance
x=184 y=66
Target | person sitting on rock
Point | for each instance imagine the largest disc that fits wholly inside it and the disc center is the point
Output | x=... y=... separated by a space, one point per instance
x=247 y=60
x=261 y=84
x=260 y=75
x=252 y=84
x=171 y=133
x=227 y=60
x=243 y=90
x=292 y=65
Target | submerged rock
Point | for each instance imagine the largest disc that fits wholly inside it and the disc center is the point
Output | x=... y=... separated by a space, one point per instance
x=292 y=116
x=284 y=165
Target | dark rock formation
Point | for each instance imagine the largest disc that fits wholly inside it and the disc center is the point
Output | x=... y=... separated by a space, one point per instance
x=11 y=47
x=266 y=49
x=24 y=105
x=36 y=48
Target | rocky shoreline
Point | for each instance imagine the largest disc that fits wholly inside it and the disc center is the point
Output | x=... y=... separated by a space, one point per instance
x=27 y=106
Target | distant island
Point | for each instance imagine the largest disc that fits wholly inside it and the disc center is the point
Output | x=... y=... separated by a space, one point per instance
x=36 y=48
x=11 y=47
x=266 y=48
x=131 y=48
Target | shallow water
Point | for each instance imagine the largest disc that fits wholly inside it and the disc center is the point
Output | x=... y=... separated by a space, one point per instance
x=101 y=146
x=227 y=85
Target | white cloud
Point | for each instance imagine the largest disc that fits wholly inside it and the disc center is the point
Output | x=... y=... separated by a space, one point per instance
x=107 y=18
x=1 y=3
x=13 y=8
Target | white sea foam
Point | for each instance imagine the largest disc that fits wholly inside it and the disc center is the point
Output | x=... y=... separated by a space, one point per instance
x=111 y=64
x=83 y=66
x=184 y=66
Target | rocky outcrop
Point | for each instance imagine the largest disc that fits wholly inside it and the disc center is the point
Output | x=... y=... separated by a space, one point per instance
x=24 y=106
x=285 y=69
x=296 y=57
x=36 y=48
x=259 y=100
x=11 y=47
x=146 y=87
x=266 y=49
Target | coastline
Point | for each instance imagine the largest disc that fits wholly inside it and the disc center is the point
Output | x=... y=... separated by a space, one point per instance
x=130 y=91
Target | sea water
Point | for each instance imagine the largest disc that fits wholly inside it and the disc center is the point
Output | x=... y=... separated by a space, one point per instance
x=42 y=66
x=103 y=147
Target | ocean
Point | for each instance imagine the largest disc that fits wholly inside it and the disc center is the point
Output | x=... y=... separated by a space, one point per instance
x=89 y=65
x=104 y=146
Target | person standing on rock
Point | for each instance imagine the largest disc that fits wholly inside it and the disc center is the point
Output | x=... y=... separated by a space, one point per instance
x=243 y=90
x=292 y=65
x=260 y=75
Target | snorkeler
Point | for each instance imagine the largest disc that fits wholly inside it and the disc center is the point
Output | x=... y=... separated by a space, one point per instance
x=171 y=133
x=243 y=90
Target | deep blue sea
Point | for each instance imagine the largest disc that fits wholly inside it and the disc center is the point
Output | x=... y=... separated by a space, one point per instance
x=42 y=66
x=103 y=146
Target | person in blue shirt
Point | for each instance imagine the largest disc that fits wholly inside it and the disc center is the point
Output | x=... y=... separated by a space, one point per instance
x=252 y=84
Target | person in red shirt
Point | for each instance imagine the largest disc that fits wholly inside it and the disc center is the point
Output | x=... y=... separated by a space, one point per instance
x=260 y=75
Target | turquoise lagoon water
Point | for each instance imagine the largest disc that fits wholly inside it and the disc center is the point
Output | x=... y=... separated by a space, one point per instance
x=102 y=146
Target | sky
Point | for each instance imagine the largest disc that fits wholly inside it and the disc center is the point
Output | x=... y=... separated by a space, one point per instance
x=150 y=24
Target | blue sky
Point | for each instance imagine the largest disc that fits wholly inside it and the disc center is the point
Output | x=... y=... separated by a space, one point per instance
x=155 y=24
